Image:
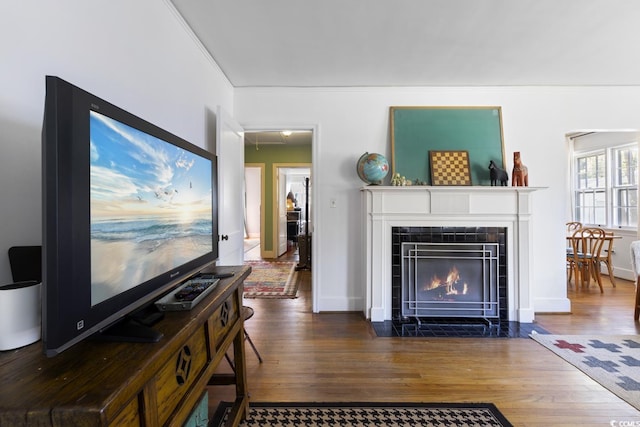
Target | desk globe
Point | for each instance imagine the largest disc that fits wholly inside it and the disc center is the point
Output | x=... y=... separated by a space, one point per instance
x=372 y=168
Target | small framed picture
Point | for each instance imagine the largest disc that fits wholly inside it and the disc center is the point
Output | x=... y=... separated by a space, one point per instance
x=450 y=168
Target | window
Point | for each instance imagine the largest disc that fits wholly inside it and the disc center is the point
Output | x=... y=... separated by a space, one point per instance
x=625 y=187
x=591 y=189
x=606 y=186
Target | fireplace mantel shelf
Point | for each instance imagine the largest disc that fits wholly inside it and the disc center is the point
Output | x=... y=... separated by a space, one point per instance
x=449 y=189
x=384 y=207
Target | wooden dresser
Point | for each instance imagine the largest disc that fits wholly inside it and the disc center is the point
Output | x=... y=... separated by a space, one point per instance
x=125 y=384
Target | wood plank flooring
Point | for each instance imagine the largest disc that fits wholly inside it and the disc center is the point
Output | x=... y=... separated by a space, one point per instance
x=337 y=357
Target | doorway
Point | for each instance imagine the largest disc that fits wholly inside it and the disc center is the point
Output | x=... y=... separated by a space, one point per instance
x=254 y=214
x=276 y=166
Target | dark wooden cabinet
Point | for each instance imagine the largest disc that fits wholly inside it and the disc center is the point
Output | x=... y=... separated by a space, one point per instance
x=293 y=225
x=128 y=384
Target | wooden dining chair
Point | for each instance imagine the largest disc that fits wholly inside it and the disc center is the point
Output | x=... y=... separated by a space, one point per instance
x=587 y=248
x=573 y=226
x=605 y=256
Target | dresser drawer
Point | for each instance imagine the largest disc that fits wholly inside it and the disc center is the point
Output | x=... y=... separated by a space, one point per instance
x=222 y=320
x=129 y=416
x=179 y=373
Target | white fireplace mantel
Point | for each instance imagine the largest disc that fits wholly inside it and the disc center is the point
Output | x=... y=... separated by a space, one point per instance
x=385 y=207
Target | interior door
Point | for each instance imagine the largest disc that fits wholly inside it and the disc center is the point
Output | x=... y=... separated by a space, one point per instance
x=230 y=151
x=282 y=211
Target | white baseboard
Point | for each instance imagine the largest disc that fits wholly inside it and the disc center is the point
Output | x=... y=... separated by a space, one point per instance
x=552 y=305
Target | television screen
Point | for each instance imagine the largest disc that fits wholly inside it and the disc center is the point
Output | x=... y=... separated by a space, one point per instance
x=150 y=201
x=129 y=212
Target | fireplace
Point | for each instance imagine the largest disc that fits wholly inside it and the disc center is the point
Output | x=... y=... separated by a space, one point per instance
x=463 y=215
x=449 y=272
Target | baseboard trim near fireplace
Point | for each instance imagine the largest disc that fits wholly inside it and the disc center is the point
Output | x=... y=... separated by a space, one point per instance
x=377 y=314
x=552 y=305
x=526 y=315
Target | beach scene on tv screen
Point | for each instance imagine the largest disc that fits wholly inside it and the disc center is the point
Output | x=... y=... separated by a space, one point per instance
x=151 y=207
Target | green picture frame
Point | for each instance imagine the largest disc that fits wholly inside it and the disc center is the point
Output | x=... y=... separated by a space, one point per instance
x=417 y=130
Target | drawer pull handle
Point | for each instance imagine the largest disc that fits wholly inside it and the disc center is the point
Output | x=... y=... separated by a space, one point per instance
x=183 y=365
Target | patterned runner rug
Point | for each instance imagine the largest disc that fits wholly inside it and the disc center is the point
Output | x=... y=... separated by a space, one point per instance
x=611 y=360
x=367 y=414
x=276 y=279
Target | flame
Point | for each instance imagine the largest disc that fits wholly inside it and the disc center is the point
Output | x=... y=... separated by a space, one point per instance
x=453 y=278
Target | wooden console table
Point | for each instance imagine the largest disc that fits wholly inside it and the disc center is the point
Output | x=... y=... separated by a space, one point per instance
x=125 y=384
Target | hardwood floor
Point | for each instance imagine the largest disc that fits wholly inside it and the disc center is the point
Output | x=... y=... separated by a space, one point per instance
x=337 y=357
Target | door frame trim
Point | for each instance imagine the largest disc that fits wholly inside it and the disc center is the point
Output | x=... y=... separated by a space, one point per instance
x=316 y=172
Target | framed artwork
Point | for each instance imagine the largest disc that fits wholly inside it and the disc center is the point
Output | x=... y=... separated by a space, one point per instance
x=449 y=168
x=417 y=130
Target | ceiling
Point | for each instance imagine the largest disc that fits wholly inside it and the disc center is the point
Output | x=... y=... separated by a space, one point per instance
x=259 y=139
x=343 y=43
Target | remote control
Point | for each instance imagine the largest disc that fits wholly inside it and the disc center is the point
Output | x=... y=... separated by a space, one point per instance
x=192 y=290
x=222 y=275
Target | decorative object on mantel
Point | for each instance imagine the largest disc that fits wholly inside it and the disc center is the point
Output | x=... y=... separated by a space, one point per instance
x=496 y=174
x=450 y=168
x=397 y=180
x=372 y=168
x=401 y=181
x=520 y=175
x=415 y=130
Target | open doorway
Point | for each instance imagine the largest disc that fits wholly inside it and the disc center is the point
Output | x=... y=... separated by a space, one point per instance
x=294 y=212
x=253 y=215
x=276 y=166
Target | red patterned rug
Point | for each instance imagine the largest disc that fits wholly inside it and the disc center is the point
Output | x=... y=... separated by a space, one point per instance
x=276 y=279
x=611 y=360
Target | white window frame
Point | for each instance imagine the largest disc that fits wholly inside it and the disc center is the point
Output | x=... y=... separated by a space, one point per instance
x=611 y=189
x=630 y=210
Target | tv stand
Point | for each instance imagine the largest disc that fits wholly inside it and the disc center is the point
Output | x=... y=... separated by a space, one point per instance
x=96 y=383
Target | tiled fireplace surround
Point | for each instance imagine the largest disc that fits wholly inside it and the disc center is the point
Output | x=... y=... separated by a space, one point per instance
x=467 y=240
x=450 y=207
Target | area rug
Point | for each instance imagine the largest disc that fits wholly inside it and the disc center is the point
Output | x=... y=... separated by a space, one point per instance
x=611 y=360
x=276 y=279
x=366 y=414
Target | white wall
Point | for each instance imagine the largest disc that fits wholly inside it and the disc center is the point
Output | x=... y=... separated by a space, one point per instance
x=253 y=200
x=352 y=121
x=135 y=54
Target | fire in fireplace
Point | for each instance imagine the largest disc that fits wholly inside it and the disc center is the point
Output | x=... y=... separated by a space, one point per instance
x=450 y=279
x=449 y=272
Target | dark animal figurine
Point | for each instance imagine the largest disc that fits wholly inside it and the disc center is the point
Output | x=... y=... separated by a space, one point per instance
x=520 y=176
x=496 y=174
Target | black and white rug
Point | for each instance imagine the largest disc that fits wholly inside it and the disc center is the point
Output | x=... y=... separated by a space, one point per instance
x=366 y=414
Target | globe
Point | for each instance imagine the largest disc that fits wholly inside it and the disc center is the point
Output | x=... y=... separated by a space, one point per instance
x=372 y=168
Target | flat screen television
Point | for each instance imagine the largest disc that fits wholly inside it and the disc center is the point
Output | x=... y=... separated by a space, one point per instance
x=129 y=212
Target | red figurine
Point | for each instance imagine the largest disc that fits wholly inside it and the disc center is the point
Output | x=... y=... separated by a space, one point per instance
x=520 y=176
